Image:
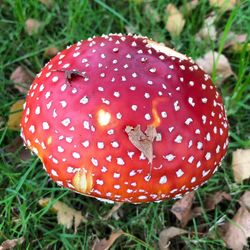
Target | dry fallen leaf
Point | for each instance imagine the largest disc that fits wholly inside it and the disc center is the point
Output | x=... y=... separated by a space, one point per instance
x=105 y=244
x=182 y=208
x=241 y=164
x=213 y=200
x=235 y=39
x=223 y=5
x=167 y=234
x=10 y=244
x=152 y=13
x=245 y=200
x=238 y=230
x=223 y=68
x=113 y=211
x=175 y=20
x=208 y=31
x=187 y=7
x=22 y=79
x=32 y=26
x=142 y=141
x=16 y=146
x=15 y=115
x=50 y=52
x=66 y=215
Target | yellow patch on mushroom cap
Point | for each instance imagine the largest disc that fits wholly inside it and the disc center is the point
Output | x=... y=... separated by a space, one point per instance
x=103 y=117
x=82 y=181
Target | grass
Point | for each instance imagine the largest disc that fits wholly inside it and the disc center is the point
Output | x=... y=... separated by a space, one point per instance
x=23 y=182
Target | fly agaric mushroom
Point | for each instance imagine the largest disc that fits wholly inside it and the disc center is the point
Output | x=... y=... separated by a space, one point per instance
x=123 y=118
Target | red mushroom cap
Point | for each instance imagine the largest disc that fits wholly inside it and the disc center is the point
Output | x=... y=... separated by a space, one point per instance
x=122 y=118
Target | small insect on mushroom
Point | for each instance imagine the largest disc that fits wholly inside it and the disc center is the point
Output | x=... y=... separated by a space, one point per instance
x=123 y=118
x=70 y=73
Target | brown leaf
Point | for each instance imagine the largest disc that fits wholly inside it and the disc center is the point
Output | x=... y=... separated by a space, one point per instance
x=208 y=31
x=25 y=154
x=223 y=5
x=47 y=3
x=175 y=21
x=22 y=78
x=167 y=234
x=241 y=164
x=213 y=200
x=223 y=68
x=113 y=211
x=32 y=26
x=51 y=52
x=15 y=145
x=234 y=39
x=66 y=215
x=105 y=244
x=238 y=230
x=142 y=141
x=182 y=208
x=245 y=200
x=15 y=115
x=10 y=244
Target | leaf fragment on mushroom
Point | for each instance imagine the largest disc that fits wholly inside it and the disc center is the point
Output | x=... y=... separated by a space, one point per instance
x=175 y=20
x=212 y=59
x=66 y=215
x=167 y=234
x=105 y=244
x=142 y=141
x=241 y=164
